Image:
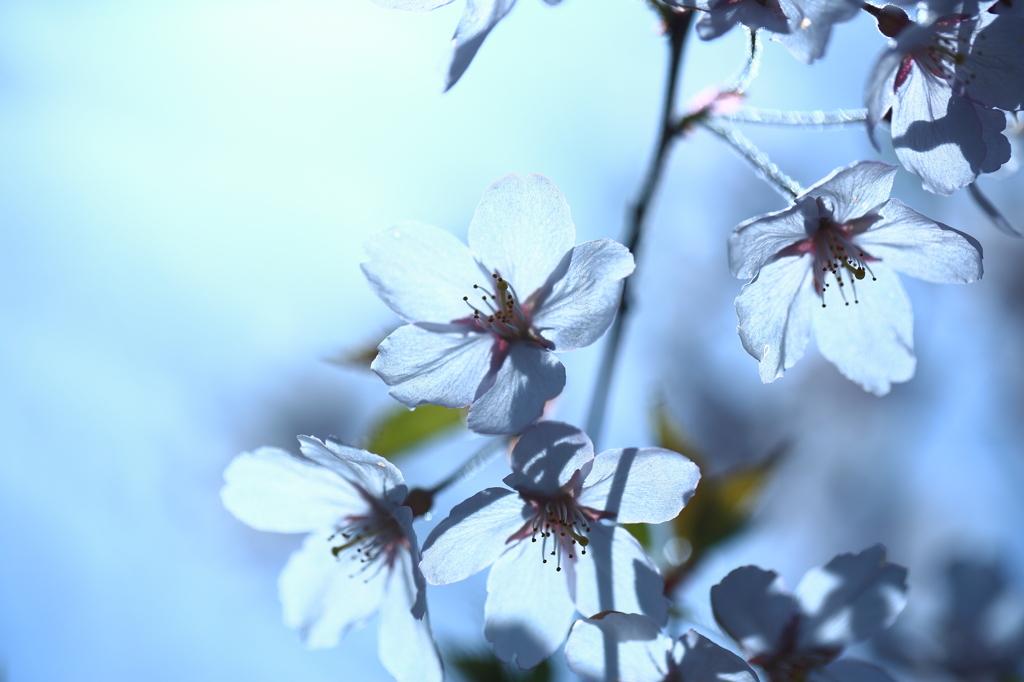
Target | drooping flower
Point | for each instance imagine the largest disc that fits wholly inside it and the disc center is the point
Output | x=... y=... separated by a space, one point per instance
x=799 y=637
x=552 y=551
x=803 y=26
x=946 y=84
x=824 y=263
x=484 y=321
x=643 y=653
x=479 y=17
x=361 y=556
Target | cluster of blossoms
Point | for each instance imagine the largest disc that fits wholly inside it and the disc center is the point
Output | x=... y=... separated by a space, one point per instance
x=483 y=325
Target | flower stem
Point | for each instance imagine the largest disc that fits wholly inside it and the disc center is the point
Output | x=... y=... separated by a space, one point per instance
x=764 y=166
x=677 y=24
x=775 y=117
x=471 y=465
x=993 y=213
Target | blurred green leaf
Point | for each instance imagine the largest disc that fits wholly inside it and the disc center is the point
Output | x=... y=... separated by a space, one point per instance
x=403 y=429
x=484 y=667
x=641 y=533
x=723 y=503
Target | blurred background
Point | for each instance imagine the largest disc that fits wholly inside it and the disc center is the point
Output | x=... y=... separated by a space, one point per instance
x=184 y=188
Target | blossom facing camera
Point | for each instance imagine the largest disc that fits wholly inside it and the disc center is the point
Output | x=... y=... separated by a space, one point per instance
x=799 y=636
x=552 y=551
x=824 y=263
x=361 y=555
x=643 y=653
x=947 y=84
x=485 y=320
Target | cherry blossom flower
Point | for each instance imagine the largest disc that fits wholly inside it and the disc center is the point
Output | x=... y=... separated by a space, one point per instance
x=803 y=26
x=361 y=555
x=551 y=550
x=643 y=653
x=797 y=637
x=946 y=83
x=824 y=263
x=484 y=321
x=478 y=18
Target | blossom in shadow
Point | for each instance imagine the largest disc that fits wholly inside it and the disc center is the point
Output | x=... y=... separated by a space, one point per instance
x=803 y=26
x=799 y=636
x=554 y=541
x=614 y=646
x=485 y=320
x=361 y=555
x=947 y=84
x=824 y=264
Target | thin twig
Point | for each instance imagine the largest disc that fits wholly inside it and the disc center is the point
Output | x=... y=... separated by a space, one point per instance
x=764 y=166
x=776 y=117
x=742 y=80
x=993 y=213
x=471 y=465
x=677 y=27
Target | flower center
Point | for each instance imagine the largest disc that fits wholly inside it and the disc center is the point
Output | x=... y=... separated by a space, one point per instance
x=501 y=312
x=372 y=541
x=943 y=56
x=836 y=254
x=558 y=525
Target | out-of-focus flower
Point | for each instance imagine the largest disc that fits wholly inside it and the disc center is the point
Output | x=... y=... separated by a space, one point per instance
x=361 y=555
x=643 y=653
x=798 y=637
x=552 y=554
x=479 y=17
x=803 y=26
x=945 y=83
x=823 y=263
x=485 y=320
x=980 y=637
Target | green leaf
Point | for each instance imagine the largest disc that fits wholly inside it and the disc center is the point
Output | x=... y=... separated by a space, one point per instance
x=723 y=503
x=402 y=429
x=484 y=667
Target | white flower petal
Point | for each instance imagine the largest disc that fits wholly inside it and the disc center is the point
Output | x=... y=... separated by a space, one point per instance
x=405 y=643
x=529 y=377
x=850 y=670
x=752 y=606
x=473 y=536
x=479 y=17
x=640 y=485
x=324 y=597
x=273 y=490
x=442 y=365
x=879 y=94
x=774 y=312
x=871 y=342
x=850 y=598
x=522 y=229
x=698 y=658
x=421 y=272
x=374 y=474
x=757 y=242
x=641 y=650
x=528 y=609
x=810 y=31
x=580 y=297
x=910 y=243
x=944 y=138
x=616 y=574
x=547 y=456
x=855 y=191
